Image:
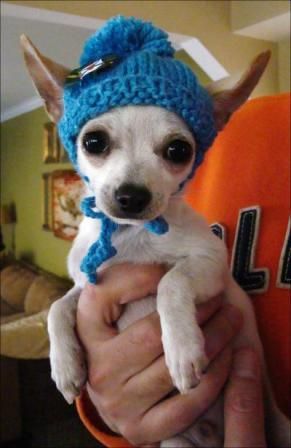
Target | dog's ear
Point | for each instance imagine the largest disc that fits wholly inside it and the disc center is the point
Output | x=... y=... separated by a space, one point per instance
x=48 y=78
x=226 y=101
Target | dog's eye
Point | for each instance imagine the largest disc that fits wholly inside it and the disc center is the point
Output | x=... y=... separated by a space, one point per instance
x=96 y=142
x=178 y=152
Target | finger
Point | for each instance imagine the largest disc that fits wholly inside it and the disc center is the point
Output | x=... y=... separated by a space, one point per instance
x=176 y=413
x=221 y=329
x=127 y=282
x=130 y=351
x=154 y=382
x=140 y=344
x=90 y=321
x=206 y=310
x=101 y=305
x=243 y=407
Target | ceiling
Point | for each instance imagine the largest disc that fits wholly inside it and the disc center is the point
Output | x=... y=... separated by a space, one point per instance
x=275 y=29
x=15 y=82
x=47 y=29
x=16 y=87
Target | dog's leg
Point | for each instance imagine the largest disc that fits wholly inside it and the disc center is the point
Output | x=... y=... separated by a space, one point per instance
x=183 y=341
x=66 y=354
x=178 y=292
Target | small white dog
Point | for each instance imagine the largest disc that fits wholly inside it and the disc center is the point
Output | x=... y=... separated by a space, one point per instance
x=137 y=158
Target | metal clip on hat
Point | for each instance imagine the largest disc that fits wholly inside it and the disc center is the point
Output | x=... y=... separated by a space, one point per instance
x=101 y=64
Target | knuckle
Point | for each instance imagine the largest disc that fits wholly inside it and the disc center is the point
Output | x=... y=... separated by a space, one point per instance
x=97 y=377
x=233 y=317
x=181 y=418
x=132 y=432
x=149 y=275
x=243 y=402
x=112 y=408
x=147 y=333
x=163 y=379
x=153 y=333
x=143 y=277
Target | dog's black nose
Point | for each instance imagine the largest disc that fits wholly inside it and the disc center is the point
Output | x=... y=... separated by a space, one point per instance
x=132 y=198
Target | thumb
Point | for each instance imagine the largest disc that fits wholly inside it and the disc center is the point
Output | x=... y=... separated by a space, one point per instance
x=243 y=405
x=101 y=305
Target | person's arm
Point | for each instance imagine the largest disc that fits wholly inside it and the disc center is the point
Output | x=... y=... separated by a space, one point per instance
x=128 y=377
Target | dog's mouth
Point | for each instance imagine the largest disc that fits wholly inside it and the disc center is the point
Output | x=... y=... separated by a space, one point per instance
x=130 y=218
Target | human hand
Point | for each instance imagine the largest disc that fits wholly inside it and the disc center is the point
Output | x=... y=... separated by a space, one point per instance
x=243 y=403
x=128 y=377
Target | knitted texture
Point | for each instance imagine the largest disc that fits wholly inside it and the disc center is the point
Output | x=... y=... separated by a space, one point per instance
x=145 y=74
x=102 y=249
x=158 y=226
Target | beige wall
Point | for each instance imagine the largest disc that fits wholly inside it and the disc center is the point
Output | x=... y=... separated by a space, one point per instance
x=284 y=65
x=208 y=20
x=248 y=12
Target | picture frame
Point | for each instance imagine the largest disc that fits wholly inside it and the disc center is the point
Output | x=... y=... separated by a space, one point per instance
x=51 y=143
x=66 y=189
x=63 y=155
x=47 y=222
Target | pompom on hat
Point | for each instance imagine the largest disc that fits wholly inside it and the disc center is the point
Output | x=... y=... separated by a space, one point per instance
x=143 y=72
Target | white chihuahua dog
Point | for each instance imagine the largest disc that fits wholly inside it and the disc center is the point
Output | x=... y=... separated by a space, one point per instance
x=136 y=158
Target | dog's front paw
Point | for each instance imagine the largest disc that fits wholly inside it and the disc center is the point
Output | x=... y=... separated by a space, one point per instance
x=186 y=362
x=69 y=371
x=186 y=368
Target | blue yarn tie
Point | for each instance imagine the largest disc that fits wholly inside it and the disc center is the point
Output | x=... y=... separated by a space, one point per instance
x=102 y=249
x=159 y=226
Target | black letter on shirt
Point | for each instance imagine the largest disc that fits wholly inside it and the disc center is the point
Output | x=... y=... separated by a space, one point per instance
x=250 y=279
x=218 y=230
x=284 y=271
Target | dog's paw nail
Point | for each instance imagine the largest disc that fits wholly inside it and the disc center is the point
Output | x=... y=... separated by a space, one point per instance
x=186 y=368
x=200 y=366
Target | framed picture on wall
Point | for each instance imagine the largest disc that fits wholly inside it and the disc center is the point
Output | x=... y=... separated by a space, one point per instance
x=47 y=221
x=63 y=155
x=51 y=143
x=66 y=187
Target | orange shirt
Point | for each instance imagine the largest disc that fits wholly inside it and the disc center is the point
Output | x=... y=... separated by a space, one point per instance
x=243 y=187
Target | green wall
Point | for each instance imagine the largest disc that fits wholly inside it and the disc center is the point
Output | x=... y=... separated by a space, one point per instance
x=21 y=182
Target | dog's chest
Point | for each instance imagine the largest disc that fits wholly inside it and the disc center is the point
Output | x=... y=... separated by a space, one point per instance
x=140 y=246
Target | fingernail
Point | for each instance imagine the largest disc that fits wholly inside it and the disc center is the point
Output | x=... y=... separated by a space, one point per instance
x=245 y=364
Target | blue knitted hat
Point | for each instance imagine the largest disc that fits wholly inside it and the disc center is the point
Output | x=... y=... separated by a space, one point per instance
x=145 y=73
x=142 y=71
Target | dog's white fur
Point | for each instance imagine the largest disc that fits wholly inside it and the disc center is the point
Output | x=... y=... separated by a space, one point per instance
x=197 y=258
